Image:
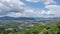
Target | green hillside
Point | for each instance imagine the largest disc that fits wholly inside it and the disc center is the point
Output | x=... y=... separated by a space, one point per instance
x=53 y=28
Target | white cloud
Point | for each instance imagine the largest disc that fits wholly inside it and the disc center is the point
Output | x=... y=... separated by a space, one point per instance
x=40 y=13
x=16 y=8
x=44 y=13
x=28 y=12
x=25 y=13
x=55 y=9
x=12 y=14
x=33 y=0
x=46 y=2
x=7 y=6
x=32 y=13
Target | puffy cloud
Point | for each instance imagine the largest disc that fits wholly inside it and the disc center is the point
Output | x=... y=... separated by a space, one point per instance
x=28 y=13
x=16 y=8
x=33 y=0
x=38 y=13
x=44 y=13
x=25 y=13
x=31 y=13
x=7 y=6
x=12 y=14
x=55 y=9
x=46 y=2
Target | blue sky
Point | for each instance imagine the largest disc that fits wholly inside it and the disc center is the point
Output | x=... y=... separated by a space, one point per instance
x=30 y=8
x=38 y=5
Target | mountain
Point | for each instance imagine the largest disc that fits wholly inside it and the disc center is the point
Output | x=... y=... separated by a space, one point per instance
x=29 y=18
x=12 y=18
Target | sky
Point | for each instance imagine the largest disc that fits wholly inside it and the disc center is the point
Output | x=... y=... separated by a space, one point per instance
x=30 y=8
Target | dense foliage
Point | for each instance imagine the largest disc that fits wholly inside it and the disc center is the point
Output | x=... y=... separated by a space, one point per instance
x=53 y=28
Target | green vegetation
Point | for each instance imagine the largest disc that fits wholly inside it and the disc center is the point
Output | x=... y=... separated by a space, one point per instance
x=53 y=28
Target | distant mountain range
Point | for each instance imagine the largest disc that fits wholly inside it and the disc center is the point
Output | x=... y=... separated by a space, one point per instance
x=12 y=18
x=28 y=18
